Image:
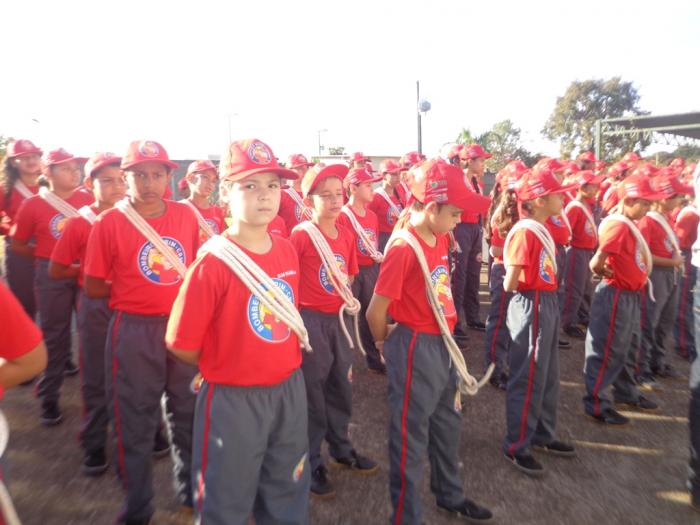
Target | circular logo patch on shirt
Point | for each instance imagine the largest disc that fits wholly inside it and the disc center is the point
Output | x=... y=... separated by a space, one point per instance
x=298 y=212
x=323 y=275
x=441 y=284
x=372 y=236
x=261 y=320
x=547 y=268
x=588 y=229
x=639 y=260
x=155 y=267
x=390 y=217
x=57 y=224
x=556 y=221
x=214 y=227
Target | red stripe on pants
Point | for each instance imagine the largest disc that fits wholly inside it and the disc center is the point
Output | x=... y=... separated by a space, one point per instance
x=205 y=452
x=117 y=419
x=497 y=329
x=404 y=432
x=606 y=355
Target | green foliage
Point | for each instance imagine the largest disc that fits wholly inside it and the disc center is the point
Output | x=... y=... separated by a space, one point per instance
x=503 y=141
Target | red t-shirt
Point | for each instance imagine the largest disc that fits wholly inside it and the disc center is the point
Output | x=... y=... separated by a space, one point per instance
x=215 y=218
x=381 y=208
x=659 y=243
x=687 y=227
x=143 y=282
x=526 y=250
x=583 y=232
x=498 y=242
x=8 y=213
x=401 y=280
x=468 y=216
x=370 y=224
x=241 y=342
x=625 y=258
x=38 y=220
x=289 y=210
x=70 y=248
x=18 y=333
x=558 y=230
x=316 y=291
x=278 y=227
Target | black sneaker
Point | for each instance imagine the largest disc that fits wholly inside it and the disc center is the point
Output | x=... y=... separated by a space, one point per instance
x=468 y=511
x=525 y=463
x=574 y=331
x=499 y=380
x=477 y=325
x=321 y=486
x=70 y=369
x=462 y=341
x=161 y=445
x=563 y=343
x=557 y=448
x=95 y=463
x=666 y=372
x=51 y=415
x=357 y=463
x=642 y=403
x=611 y=417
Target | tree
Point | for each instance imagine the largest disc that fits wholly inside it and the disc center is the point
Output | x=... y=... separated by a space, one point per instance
x=4 y=141
x=572 y=123
x=503 y=142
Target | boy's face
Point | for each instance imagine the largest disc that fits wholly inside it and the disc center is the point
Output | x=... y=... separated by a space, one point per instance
x=443 y=220
x=203 y=182
x=553 y=203
x=147 y=181
x=671 y=203
x=392 y=179
x=108 y=185
x=327 y=198
x=255 y=200
x=635 y=209
x=65 y=176
x=589 y=191
x=363 y=192
x=28 y=164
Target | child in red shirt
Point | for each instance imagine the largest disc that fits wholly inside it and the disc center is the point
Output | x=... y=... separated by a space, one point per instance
x=39 y=224
x=143 y=246
x=686 y=229
x=20 y=171
x=292 y=208
x=386 y=203
x=202 y=179
x=529 y=256
x=623 y=260
x=422 y=358
x=358 y=218
x=324 y=295
x=250 y=429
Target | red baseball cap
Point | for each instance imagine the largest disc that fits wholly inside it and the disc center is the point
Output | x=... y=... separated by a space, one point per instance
x=59 y=156
x=244 y=158
x=369 y=167
x=99 y=161
x=389 y=166
x=586 y=156
x=540 y=182
x=357 y=176
x=297 y=160
x=678 y=162
x=599 y=165
x=18 y=148
x=510 y=173
x=639 y=186
x=443 y=183
x=455 y=150
x=570 y=168
x=358 y=156
x=588 y=177
x=631 y=156
x=548 y=163
x=672 y=185
x=473 y=151
x=319 y=172
x=141 y=151
x=200 y=165
x=647 y=169
x=182 y=185
x=410 y=159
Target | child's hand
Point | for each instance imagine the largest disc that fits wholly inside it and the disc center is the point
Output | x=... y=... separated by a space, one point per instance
x=606 y=271
x=677 y=260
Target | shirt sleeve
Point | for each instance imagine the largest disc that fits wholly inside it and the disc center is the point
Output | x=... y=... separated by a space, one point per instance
x=392 y=271
x=611 y=238
x=519 y=249
x=23 y=229
x=98 y=259
x=18 y=333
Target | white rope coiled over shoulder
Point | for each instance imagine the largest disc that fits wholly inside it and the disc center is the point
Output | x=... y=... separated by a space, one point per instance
x=589 y=216
x=203 y=224
x=305 y=211
x=86 y=213
x=641 y=243
x=690 y=208
x=542 y=234
x=57 y=203
x=371 y=249
x=151 y=235
x=468 y=384
x=395 y=211
x=259 y=283
x=22 y=189
x=338 y=280
x=666 y=227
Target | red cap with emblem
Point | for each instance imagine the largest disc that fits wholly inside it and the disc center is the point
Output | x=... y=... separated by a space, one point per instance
x=358 y=156
x=297 y=160
x=586 y=156
x=389 y=166
x=443 y=183
x=639 y=186
x=99 y=161
x=358 y=176
x=141 y=151
x=59 y=156
x=473 y=151
x=540 y=182
x=670 y=184
x=199 y=166
x=588 y=177
x=410 y=159
x=22 y=147
x=319 y=172
x=244 y=158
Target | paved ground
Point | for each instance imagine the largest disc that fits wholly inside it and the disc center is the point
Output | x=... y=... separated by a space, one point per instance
x=628 y=475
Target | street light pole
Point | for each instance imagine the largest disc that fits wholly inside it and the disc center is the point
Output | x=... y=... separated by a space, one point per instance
x=319 y=141
x=420 y=131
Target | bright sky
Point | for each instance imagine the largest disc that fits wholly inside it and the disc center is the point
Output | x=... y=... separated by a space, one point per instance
x=97 y=74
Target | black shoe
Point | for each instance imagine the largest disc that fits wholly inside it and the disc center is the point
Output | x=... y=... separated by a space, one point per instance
x=161 y=445
x=563 y=343
x=359 y=464
x=137 y=521
x=70 y=369
x=469 y=511
x=642 y=403
x=379 y=369
x=647 y=382
x=95 y=463
x=557 y=448
x=321 y=486
x=462 y=341
x=666 y=372
x=499 y=380
x=525 y=463
x=610 y=417
x=477 y=325
x=574 y=331
x=51 y=415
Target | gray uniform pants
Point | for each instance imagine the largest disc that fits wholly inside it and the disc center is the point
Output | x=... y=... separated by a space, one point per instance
x=250 y=454
x=363 y=289
x=662 y=318
x=138 y=371
x=685 y=327
x=533 y=385
x=328 y=377
x=423 y=418
x=93 y=321
x=57 y=300
x=578 y=274
x=383 y=239
x=465 y=279
x=497 y=338
x=561 y=272
x=610 y=340
x=19 y=272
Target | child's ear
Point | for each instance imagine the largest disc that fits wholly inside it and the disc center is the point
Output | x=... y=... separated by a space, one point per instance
x=89 y=183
